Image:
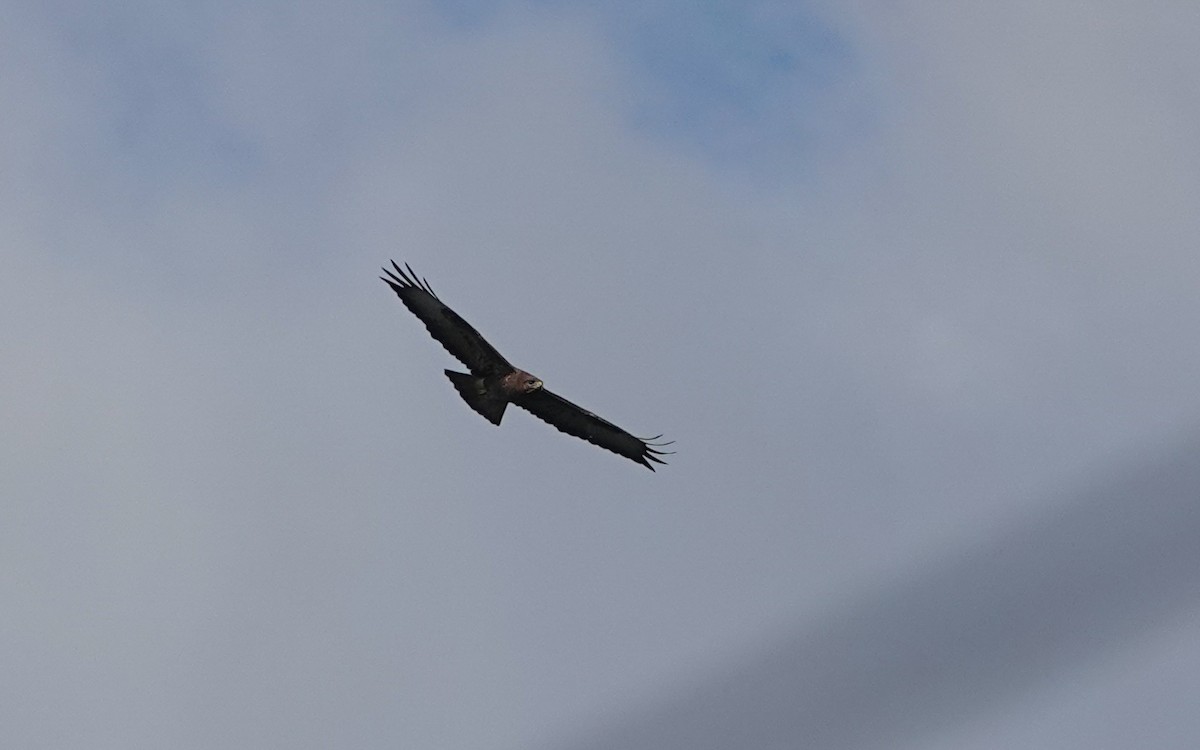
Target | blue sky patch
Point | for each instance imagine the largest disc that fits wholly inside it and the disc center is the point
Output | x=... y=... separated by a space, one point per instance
x=740 y=81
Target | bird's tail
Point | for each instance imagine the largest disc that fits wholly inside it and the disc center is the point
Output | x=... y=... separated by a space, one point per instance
x=475 y=393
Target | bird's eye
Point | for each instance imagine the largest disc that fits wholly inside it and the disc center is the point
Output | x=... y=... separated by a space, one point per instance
x=530 y=382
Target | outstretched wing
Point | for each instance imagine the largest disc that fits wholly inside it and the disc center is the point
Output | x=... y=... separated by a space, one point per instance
x=577 y=421
x=445 y=325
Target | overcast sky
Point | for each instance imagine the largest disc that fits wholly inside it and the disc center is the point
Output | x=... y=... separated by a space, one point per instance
x=914 y=286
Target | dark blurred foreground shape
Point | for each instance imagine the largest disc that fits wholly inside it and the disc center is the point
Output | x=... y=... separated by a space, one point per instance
x=961 y=637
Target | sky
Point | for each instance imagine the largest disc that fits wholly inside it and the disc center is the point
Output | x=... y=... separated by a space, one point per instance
x=911 y=285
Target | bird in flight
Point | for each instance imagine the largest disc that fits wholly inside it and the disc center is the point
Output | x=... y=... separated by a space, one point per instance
x=493 y=383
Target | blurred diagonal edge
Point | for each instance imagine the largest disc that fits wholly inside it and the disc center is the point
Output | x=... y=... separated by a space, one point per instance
x=1098 y=569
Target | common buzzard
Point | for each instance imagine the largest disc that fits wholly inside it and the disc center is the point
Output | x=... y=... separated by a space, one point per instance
x=494 y=383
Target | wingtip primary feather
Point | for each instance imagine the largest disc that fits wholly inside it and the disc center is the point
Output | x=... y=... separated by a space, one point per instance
x=396 y=282
x=406 y=278
x=652 y=447
x=400 y=272
x=642 y=460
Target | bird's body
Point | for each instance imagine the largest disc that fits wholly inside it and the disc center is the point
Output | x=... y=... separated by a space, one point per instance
x=489 y=394
x=493 y=383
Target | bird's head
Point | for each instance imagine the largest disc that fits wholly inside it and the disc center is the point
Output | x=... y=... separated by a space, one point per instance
x=529 y=383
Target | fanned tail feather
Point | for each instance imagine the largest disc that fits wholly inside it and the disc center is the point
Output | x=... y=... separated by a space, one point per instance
x=476 y=395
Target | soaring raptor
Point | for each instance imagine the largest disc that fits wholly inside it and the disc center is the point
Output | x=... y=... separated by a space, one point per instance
x=494 y=383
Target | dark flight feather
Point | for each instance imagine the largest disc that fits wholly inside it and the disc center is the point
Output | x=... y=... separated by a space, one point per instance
x=445 y=325
x=494 y=382
x=575 y=420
